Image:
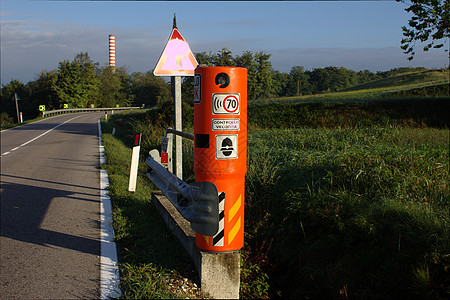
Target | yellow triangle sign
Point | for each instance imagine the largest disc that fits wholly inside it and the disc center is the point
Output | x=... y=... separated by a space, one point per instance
x=177 y=58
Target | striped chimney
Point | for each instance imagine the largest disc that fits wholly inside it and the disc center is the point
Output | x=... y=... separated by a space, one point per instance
x=112 y=51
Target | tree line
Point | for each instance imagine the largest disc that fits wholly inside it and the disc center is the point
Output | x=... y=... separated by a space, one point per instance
x=81 y=83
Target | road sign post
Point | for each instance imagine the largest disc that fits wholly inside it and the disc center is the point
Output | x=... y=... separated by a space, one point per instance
x=177 y=60
x=220 y=150
x=42 y=109
x=16 y=98
x=178 y=127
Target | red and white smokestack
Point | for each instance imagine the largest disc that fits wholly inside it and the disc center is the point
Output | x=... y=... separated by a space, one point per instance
x=112 y=51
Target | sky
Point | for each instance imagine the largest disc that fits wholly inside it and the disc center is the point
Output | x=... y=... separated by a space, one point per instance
x=37 y=35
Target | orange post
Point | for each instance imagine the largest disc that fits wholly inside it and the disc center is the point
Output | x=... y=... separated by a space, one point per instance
x=220 y=152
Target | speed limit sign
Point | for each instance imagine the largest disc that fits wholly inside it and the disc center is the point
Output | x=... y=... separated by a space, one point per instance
x=226 y=104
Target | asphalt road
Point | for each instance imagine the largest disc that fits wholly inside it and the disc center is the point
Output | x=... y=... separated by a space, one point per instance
x=50 y=207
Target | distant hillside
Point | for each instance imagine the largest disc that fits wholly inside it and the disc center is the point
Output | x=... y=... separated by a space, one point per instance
x=428 y=83
x=441 y=90
x=407 y=81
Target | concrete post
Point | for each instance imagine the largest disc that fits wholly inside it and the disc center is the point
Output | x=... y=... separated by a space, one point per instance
x=219 y=272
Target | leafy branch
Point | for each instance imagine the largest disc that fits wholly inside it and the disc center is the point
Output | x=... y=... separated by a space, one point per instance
x=430 y=24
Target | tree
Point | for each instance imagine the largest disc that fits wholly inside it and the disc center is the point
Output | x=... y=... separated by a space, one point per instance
x=149 y=89
x=42 y=92
x=366 y=76
x=281 y=83
x=204 y=59
x=332 y=79
x=430 y=23
x=77 y=83
x=224 y=58
x=114 y=88
x=126 y=97
x=7 y=97
x=246 y=60
x=264 y=76
x=320 y=80
x=299 y=83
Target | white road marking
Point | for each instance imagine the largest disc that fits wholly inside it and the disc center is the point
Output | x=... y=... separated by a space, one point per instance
x=109 y=269
x=39 y=136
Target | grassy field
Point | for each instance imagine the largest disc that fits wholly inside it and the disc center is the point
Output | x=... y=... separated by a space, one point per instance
x=384 y=89
x=407 y=81
x=360 y=212
x=344 y=199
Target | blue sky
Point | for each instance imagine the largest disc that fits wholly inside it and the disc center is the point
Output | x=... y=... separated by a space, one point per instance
x=359 y=35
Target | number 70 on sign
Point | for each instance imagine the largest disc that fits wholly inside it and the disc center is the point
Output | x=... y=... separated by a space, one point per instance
x=226 y=104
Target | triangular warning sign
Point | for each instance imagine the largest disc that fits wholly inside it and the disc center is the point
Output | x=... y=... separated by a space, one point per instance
x=177 y=58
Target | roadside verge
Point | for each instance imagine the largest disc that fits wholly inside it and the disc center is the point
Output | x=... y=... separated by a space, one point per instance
x=109 y=269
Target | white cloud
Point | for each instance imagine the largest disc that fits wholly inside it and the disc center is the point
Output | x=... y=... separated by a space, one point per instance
x=28 y=47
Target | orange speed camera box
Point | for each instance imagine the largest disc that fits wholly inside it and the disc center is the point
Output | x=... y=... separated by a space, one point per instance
x=220 y=152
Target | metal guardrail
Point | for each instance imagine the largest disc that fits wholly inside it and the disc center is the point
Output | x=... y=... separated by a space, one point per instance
x=197 y=202
x=74 y=110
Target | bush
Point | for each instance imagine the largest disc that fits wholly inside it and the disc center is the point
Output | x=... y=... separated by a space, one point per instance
x=5 y=119
x=400 y=112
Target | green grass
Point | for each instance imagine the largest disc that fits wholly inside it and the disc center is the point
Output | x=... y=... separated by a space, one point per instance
x=348 y=199
x=383 y=89
x=149 y=255
x=406 y=81
x=362 y=209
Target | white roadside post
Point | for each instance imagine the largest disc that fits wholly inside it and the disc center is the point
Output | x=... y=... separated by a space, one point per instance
x=134 y=163
x=176 y=60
